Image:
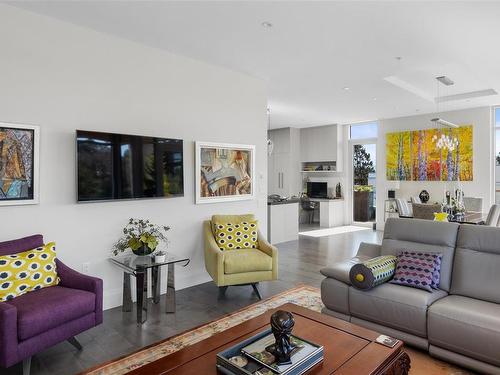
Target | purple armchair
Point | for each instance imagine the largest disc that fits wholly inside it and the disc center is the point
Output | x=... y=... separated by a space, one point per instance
x=39 y=319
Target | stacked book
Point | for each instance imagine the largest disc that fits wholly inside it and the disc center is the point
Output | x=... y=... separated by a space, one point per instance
x=250 y=357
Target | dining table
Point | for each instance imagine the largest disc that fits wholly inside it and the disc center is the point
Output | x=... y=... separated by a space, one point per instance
x=470 y=217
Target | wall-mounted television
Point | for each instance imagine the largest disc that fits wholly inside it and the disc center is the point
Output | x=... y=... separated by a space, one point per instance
x=317 y=189
x=120 y=166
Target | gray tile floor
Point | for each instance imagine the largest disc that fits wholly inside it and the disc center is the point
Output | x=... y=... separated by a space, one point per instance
x=299 y=262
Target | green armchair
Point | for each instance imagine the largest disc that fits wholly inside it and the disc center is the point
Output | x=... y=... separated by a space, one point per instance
x=242 y=266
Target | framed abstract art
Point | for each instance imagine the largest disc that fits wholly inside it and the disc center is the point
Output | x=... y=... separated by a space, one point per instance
x=430 y=155
x=19 y=164
x=224 y=172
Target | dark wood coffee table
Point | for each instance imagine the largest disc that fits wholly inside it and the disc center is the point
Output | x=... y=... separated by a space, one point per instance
x=349 y=349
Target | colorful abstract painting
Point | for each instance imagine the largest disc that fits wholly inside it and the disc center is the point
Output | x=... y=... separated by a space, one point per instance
x=398 y=156
x=432 y=154
x=224 y=172
x=426 y=157
x=17 y=164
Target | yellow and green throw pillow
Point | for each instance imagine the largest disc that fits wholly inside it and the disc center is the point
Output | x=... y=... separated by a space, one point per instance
x=373 y=272
x=232 y=236
x=27 y=271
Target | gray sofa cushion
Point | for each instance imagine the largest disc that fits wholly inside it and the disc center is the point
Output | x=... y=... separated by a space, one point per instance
x=395 y=306
x=467 y=326
x=423 y=236
x=476 y=270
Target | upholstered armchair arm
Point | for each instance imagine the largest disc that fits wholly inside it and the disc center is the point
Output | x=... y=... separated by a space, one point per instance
x=369 y=250
x=8 y=335
x=270 y=250
x=76 y=280
x=266 y=247
x=214 y=257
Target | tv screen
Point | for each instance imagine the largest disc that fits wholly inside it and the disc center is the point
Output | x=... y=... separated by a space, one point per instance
x=118 y=166
x=317 y=189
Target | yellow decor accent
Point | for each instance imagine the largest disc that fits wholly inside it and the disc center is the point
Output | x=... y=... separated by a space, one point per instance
x=27 y=271
x=440 y=216
x=239 y=235
x=219 y=263
x=360 y=278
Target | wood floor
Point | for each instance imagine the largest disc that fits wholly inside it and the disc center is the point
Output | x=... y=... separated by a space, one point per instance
x=299 y=262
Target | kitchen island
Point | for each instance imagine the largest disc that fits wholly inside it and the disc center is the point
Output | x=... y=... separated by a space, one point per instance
x=282 y=220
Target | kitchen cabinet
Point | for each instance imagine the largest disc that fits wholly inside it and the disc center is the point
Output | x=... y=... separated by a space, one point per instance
x=321 y=144
x=284 y=163
x=283 y=222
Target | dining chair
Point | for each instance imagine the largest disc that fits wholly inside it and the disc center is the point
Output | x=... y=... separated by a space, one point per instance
x=425 y=211
x=404 y=208
x=309 y=207
x=493 y=216
x=473 y=204
x=416 y=199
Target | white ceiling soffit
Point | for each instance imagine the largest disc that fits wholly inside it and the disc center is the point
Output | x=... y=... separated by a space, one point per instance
x=398 y=82
x=466 y=95
x=311 y=50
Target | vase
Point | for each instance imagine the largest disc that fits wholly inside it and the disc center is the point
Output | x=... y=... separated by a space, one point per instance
x=160 y=258
x=143 y=250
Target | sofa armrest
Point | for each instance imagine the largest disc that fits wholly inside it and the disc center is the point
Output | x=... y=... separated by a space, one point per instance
x=214 y=257
x=270 y=250
x=340 y=270
x=76 y=280
x=8 y=335
x=369 y=250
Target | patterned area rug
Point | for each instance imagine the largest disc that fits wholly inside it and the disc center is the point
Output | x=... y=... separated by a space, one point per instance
x=305 y=296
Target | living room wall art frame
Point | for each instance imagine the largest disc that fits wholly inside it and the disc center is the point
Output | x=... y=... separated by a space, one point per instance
x=19 y=164
x=224 y=172
x=430 y=155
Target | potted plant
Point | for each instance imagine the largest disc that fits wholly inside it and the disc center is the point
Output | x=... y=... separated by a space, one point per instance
x=160 y=256
x=141 y=236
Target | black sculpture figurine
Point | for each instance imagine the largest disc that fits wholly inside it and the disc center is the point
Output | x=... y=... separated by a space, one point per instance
x=282 y=325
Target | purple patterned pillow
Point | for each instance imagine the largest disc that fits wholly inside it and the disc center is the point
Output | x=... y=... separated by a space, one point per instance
x=436 y=257
x=414 y=272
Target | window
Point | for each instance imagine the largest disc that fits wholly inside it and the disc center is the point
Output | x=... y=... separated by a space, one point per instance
x=364 y=131
x=497 y=155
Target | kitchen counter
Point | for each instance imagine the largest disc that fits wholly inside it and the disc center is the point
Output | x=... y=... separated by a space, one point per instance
x=287 y=201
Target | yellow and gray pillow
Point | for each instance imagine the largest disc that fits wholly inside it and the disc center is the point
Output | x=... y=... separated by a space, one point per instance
x=233 y=236
x=27 y=271
x=373 y=272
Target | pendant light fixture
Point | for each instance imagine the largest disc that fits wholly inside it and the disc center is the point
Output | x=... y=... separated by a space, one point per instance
x=445 y=141
x=270 y=144
x=447 y=82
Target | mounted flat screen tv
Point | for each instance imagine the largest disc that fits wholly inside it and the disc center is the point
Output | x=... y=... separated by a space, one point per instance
x=317 y=189
x=119 y=166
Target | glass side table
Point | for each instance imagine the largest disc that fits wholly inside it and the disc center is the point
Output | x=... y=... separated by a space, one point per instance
x=138 y=266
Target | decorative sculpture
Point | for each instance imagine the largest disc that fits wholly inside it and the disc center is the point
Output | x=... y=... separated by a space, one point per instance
x=282 y=323
x=424 y=196
x=338 y=191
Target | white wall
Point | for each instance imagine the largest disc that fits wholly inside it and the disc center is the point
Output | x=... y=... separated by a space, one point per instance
x=484 y=179
x=63 y=77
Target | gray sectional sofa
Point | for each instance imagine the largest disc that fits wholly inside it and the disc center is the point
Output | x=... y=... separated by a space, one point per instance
x=459 y=322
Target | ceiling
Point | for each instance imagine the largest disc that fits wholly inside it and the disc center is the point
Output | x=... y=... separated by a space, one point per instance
x=315 y=49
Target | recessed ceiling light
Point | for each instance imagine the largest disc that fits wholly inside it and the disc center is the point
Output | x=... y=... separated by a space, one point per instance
x=267 y=24
x=374 y=99
x=346 y=88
